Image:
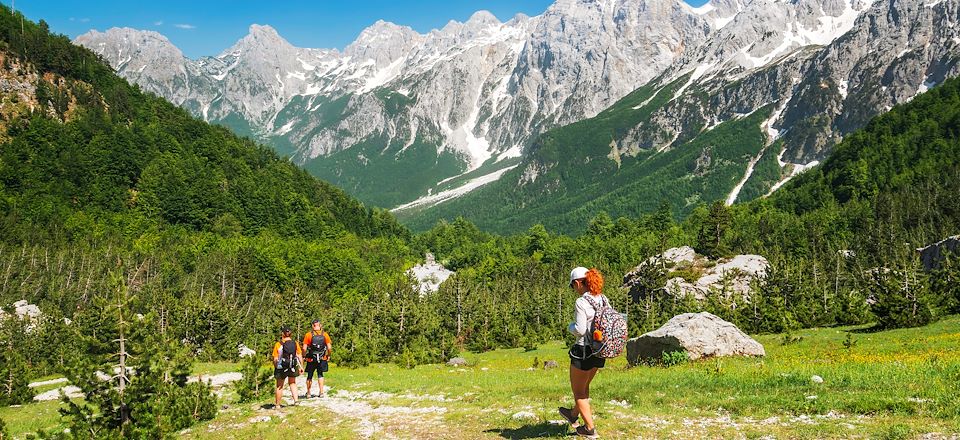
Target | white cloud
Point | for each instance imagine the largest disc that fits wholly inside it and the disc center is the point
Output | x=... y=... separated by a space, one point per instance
x=81 y=20
x=184 y=26
x=158 y=23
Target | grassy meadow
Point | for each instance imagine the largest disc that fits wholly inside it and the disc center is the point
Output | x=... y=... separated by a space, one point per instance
x=892 y=384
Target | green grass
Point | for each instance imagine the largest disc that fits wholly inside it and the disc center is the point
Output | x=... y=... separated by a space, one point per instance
x=32 y=417
x=892 y=384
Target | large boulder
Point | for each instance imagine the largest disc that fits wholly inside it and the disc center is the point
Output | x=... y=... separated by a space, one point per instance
x=23 y=310
x=429 y=275
x=699 y=334
x=689 y=274
x=931 y=256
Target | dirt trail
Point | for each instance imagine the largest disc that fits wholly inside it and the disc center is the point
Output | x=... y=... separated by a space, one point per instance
x=371 y=412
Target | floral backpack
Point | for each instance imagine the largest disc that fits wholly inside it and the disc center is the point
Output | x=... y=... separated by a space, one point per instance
x=609 y=336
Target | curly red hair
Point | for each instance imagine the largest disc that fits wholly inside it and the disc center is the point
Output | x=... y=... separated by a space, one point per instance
x=594 y=281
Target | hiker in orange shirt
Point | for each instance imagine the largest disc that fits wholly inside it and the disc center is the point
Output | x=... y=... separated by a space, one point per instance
x=288 y=363
x=316 y=344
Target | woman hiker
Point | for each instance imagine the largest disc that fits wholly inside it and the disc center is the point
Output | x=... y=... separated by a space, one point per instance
x=288 y=364
x=583 y=366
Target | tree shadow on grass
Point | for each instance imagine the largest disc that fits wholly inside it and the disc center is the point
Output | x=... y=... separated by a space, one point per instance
x=875 y=328
x=539 y=430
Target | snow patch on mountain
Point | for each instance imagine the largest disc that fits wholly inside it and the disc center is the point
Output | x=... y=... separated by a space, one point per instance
x=443 y=196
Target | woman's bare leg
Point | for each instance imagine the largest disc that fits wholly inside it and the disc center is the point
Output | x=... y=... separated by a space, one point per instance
x=278 y=393
x=293 y=388
x=579 y=384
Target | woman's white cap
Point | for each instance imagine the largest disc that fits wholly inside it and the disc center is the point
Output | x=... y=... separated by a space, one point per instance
x=578 y=273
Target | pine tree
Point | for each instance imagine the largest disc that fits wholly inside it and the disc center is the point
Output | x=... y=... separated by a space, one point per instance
x=148 y=396
x=711 y=238
x=901 y=297
x=14 y=380
x=257 y=378
x=14 y=367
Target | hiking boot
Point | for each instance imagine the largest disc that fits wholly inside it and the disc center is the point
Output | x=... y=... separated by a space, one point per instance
x=582 y=431
x=567 y=414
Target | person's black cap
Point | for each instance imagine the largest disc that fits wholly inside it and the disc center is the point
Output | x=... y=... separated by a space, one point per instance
x=285 y=329
x=315 y=321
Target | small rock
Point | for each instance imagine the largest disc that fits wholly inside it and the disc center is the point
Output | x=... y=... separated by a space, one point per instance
x=457 y=362
x=816 y=379
x=224 y=406
x=484 y=369
x=811 y=397
x=550 y=364
x=260 y=419
x=524 y=415
x=620 y=403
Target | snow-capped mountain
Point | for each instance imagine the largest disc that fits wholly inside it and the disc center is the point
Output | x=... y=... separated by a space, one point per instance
x=403 y=118
x=474 y=92
x=766 y=97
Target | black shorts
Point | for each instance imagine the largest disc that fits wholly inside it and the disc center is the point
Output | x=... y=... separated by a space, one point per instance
x=281 y=374
x=587 y=362
x=319 y=367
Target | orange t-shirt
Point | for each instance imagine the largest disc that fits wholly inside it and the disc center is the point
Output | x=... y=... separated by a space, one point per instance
x=278 y=345
x=308 y=338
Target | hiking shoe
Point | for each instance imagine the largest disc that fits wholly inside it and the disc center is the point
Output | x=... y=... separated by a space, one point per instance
x=582 y=431
x=567 y=414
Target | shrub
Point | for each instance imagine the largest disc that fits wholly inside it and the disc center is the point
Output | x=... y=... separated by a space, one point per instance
x=256 y=381
x=671 y=358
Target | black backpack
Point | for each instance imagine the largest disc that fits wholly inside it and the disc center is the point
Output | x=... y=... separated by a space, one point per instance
x=317 y=348
x=289 y=363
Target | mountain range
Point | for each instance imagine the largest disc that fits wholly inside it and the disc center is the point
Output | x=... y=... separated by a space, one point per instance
x=594 y=105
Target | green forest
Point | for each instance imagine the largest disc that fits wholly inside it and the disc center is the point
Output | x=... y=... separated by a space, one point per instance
x=123 y=218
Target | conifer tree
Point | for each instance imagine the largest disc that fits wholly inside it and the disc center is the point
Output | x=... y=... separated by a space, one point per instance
x=14 y=379
x=14 y=368
x=713 y=231
x=147 y=396
x=257 y=378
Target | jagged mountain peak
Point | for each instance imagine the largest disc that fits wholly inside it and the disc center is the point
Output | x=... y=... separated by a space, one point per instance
x=262 y=29
x=482 y=18
x=133 y=48
x=261 y=40
x=383 y=42
x=127 y=31
x=381 y=31
x=130 y=36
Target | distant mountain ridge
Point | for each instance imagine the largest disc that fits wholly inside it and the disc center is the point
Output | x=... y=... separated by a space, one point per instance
x=415 y=120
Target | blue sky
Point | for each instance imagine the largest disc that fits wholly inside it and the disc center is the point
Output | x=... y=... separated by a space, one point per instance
x=207 y=27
